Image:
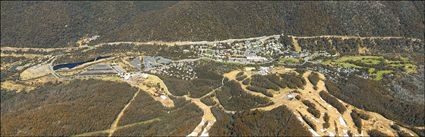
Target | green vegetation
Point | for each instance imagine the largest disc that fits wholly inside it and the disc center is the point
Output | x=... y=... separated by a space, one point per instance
x=346 y=61
x=309 y=122
x=376 y=133
x=314 y=78
x=80 y=106
x=333 y=101
x=376 y=66
x=357 y=120
x=194 y=88
x=371 y=95
x=361 y=114
x=209 y=52
x=246 y=81
x=127 y=21
x=208 y=100
x=380 y=74
x=260 y=90
x=278 y=122
x=146 y=116
x=240 y=78
x=326 y=124
x=364 y=59
x=409 y=68
x=288 y=60
x=312 y=108
x=180 y=121
x=264 y=82
x=151 y=109
x=282 y=83
x=209 y=77
x=293 y=81
x=233 y=97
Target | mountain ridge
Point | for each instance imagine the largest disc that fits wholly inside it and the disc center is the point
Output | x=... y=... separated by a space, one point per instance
x=190 y=20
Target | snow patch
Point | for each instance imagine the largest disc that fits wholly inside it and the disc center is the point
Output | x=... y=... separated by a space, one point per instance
x=341 y=120
x=331 y=134
x=314 y=133
x=345 y=133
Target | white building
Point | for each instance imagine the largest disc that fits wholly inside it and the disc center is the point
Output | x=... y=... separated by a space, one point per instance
x=144 y=75
x=256 y=58
x=127 y=76
x=264 y=70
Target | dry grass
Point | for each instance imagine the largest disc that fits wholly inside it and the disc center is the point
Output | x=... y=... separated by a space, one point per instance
x=35 y=71
x=13 y=86
x=149 y=85
x=297 y=46
x=376 y=120
x=26 y=55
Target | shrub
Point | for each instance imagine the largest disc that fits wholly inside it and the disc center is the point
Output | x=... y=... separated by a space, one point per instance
x=276 y=80
x=402 y=133
x=233 y=97
x=350 y=134
x=333 y=101
x=260 y=90
x=277 y=122
x=326 y=119
x=362 y=115
x=314 y=78
x=240 y=74
x=372 y=95
x=208 y=100
x=314 y=112
x=395 y=127
x=309 y=122
x=312 y=108
x=298 y=97
x=336 y=127
x=196 y=87
x=180 y=121
x=246 y=82
x=262 y=81
x=376 y=133
x=256 y=89
x=80 y=105
x=293 y=81
x=151 y=109
x=308 y=103
x=240 y=78
x=300 y=71
x=357 y=121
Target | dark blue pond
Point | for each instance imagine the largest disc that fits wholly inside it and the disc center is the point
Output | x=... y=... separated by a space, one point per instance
x=72 y=65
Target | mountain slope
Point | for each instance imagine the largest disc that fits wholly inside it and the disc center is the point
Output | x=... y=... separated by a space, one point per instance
x=58 y=24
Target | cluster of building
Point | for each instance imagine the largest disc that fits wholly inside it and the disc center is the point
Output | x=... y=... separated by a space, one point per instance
x=180 y=70
x=136 y=62
x=150 y=62
x=264 y=70
x=244 y=52
x=133 y=75
x=102 y=69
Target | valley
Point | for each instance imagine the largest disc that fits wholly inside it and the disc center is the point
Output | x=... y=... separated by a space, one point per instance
x=230 y=79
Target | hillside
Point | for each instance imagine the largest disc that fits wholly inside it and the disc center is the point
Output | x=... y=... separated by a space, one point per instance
x=59 y=24
x=191 y=68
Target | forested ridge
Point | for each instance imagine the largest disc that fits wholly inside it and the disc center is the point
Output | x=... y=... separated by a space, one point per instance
x=59 y=24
